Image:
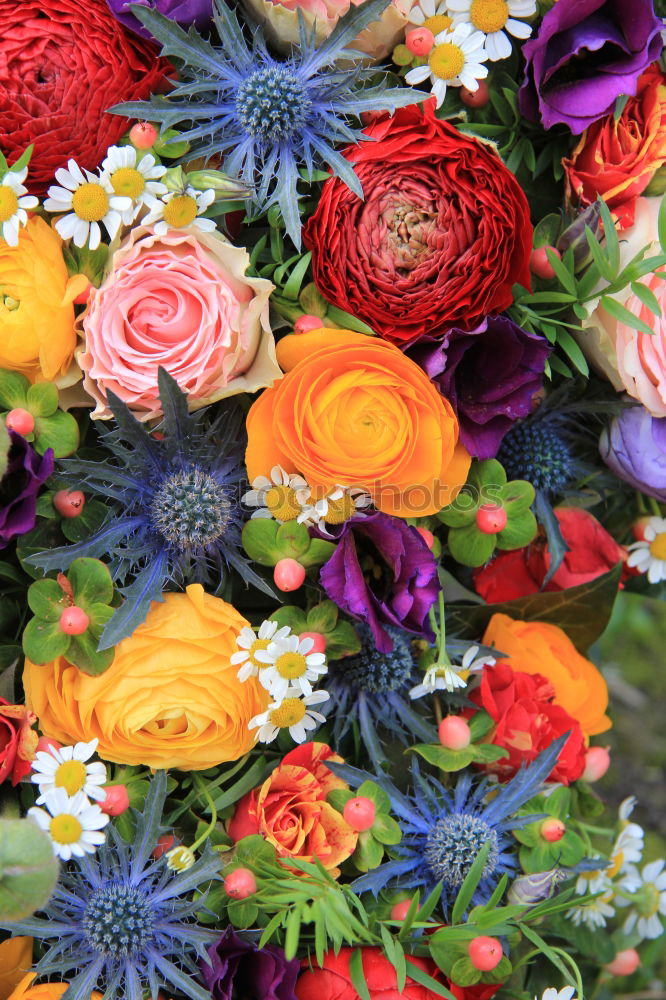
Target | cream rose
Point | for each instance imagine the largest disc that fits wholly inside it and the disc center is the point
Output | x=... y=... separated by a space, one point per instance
x=181 y=301
x=632 y=361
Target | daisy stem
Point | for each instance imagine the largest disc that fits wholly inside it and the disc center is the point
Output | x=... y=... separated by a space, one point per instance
x=203 y=789
x=654 y=506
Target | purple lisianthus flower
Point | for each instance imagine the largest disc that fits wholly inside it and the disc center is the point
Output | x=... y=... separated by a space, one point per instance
x=383 y=573
x=184 y=12
x=586 y=54
x=240 y=969
x=25 y=473
x=634 y=448
x=489 y=375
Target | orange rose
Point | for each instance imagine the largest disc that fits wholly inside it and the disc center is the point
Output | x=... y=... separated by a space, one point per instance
x=354 y=411
x=540 y=648
x=291 y=812
x=616 y=159
x=171 y=697
x=42 y=991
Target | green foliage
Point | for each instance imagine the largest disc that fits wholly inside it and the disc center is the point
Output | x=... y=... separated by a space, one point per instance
x=28 y=869
x=17 y=165
x=266 y=542
x=536 y=853
x=384 y=832
x=341 y=636
x=53 y=427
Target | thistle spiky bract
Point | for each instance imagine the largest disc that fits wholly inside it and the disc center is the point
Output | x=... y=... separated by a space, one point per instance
x=269 y=119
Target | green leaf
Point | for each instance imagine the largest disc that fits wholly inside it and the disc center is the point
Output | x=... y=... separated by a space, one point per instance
x=519 y=531
x=661 y=224
x=386 y=830
x=346 y=321
x=322 y=617
x=344 y=641
x=242 y=913
x=598 y=255
x=292 y=287
x=468 y=888
x=293 y=617
x=47 y=600
x=339 y=797
x=42 y=399
x=624 y=315
x=611 y=237
x=471 y=547
x=647 y=297
x=369 y=852
x=464 y=973
x=372 y=791
x=44 y=641
x=91 y=582
x=91 y=518
x=357 y=974
x=546 y=950
x=83 y=652
x=266 y=541
x=60 y=432
x=13 y=389
x=516 y=496
x=423 y=979
x=565 y=277
x=572 y=350
x=443 y=758
x=317 y=553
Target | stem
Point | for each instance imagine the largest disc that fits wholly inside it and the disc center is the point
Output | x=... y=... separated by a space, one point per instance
x=202 y=787
x=654 y=506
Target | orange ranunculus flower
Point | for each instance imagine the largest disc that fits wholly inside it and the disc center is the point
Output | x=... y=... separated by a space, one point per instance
x=291 y=812
x=171 y=697
x=617 y=159
x=36 y=311
x=15 y=961
x=42 y=991
x=541 y=648
x=352 y=410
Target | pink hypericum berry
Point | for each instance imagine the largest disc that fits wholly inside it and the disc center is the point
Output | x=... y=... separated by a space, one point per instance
x=454 y=733
x=116 y=801
x=360 y=813
x=420 y=41
x=82 y=298
x=552 y=830
x=69 y=503
x=427 y=537
x=399 y=910
x=539 y=263
x=597 y=762
x=308 y=322
x=143 y=135
x=638 y=528
x=47 y=745
x=475 y=98
x=491 y=518
x=74 y=621
x=21 y=421
x=240 y=883
x=164 y=844
x=288 y=574
x=318 y=639
x=625 y=963
x=485 y=953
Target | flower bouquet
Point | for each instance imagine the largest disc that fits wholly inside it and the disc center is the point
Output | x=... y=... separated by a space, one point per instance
x=333 y=420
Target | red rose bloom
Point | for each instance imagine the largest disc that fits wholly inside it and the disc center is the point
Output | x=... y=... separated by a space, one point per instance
x=442 y=235
x=592 y=552
x=333 y=981
x=17 y=741
x=62 y=63
x=527 y=722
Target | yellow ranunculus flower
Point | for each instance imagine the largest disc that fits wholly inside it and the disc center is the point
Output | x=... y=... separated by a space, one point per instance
x=36 y=311
x=171 y=697
x=42 y=991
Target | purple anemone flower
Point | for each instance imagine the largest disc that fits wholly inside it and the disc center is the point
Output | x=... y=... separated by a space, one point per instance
x=240 y=969
x=26 y=472
x=634 y=448
x=184 y=12
x=490 y=376
x=587 y=53
x=383 y=573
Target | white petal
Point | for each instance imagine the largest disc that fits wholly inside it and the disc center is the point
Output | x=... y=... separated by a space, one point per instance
x=418 y=74
x=498 y=46
x=518 y=28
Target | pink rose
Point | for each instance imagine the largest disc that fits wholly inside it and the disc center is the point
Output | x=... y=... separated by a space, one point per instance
x=181 y=301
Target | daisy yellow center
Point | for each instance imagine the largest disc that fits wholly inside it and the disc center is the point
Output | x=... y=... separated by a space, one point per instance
x=71 y=776
x=658 y=546
x=127 y=182
x=256 y=645
x=489 y=15
x=282 y=503
x=437 y=23
x=90 y=202
x=291 y=665
x=340 y=510
x=618 y=861
x=66 y=829
x=446 y=61
x=180 y=211
x=288 y=713
x=8 y=203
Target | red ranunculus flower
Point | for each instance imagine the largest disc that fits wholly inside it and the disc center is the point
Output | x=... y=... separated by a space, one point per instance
x=592 y=552
x=18 y=741
x=333 y=981
x=527 y=722
x=62 y=64
x=442 y=234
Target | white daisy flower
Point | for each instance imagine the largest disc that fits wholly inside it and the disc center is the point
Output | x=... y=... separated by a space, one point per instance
x=14 y=200
x=451 y=676
x=433 y=16
x=289 y=663
x=180 y=210
x=89 y=200
x=594 y=913
x=336 y=507
x=293 y=713
x=281 y=496
x=567 y=993
x=249 y=641
x=649 y=555
x=456 y=60
x=494 y=18
x=138 y=181
x=649 y=902
x=73 y=824
x=67 y=768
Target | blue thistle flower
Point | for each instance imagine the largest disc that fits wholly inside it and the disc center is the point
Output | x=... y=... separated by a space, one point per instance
x=538 y=452
x=444 y=830
x=122 y=919
x=371 y=689
x=174 y=504
x=269 y=119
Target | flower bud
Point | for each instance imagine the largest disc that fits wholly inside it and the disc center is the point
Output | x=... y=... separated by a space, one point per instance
x=526 y=890
x=175 y=179
x=597 y=762
x=226 y=188
x=574 y=236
